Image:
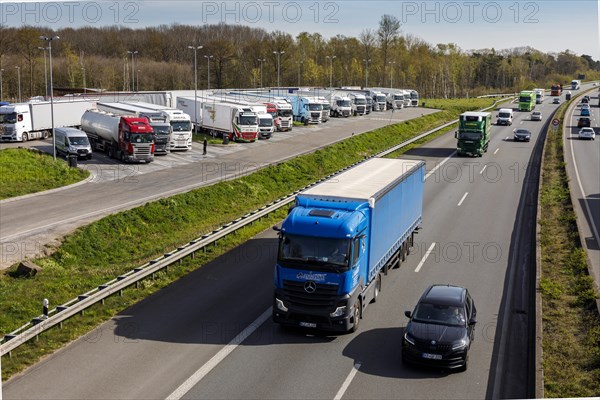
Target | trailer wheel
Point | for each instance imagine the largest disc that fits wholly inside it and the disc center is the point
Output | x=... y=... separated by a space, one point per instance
x=45 y=134
x=24 y=137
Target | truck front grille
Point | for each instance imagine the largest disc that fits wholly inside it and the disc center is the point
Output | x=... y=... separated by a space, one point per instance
x=142 y=151
x=315 y=115
x=324 y=296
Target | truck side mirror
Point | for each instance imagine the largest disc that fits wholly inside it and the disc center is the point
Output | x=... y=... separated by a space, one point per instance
x=408 y=314
x=456 y=134
x=276 y=228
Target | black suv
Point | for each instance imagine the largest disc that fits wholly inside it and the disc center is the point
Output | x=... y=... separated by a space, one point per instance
x=584 y=121
x=441 y=328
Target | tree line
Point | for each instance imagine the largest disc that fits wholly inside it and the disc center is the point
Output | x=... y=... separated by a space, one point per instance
x=244 y=57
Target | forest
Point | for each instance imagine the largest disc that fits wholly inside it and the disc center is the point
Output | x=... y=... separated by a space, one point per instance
x=233 y=56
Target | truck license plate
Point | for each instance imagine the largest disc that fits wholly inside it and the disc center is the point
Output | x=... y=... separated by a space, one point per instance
x=308 y=324
x=432 y=356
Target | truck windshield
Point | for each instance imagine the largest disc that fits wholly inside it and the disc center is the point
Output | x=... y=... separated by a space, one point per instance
x=161 y=130
x=398 y=97
x=469 y=135
x=265 y=122
x=326 y=106
x=380 y=98
x=360 y=102
x=141 y=138
x=314 y=251
x=181 y=126
x=248 y=120
x=8 y=118
x=414 y=95
x=525 y=99
x=315 y=107
x=343 y=103
x=284 y=113
x=79 y=141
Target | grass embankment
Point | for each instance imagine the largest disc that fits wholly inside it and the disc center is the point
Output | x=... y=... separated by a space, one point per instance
x=24 y=171
x=115 y=244
x=571 y=335
x=199 y=138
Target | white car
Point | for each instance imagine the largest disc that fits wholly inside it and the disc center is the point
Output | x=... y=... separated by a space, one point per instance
x=587 y=133
x=536 y=116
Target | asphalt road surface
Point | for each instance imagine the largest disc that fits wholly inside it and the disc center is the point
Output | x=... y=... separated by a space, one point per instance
x=583 y=169
x=209 y=335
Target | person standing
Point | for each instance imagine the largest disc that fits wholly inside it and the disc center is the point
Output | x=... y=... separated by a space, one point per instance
x=204 y=146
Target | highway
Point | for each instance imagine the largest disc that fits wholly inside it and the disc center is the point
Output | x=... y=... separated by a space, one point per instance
x=209 y=335
x=29 y=223
x=583 y=168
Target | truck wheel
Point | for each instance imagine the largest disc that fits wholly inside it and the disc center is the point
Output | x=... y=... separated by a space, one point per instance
x=356 y=316
x=24 y=137
x=45 y=134
x=377 y=289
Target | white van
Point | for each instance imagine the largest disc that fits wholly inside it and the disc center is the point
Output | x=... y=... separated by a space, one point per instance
x=72 y=141
x=505 y=116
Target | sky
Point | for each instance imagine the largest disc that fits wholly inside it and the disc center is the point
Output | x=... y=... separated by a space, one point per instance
x=547 y=25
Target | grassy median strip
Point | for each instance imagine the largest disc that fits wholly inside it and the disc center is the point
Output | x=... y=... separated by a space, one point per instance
x=98 y=252
x=24 y=171
x=571 y=335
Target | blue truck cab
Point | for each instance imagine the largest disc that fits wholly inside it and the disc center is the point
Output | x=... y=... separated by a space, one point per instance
x=340 y=237
x=307 y=110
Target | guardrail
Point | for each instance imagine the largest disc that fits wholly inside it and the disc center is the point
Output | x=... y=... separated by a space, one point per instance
x=77 y=305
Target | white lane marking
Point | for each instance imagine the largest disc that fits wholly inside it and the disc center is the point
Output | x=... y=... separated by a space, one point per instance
x=463 y=199
x=439 y=165
x=586 y=202
x=484 y=167
x=497 y=150
x=220 y=356
x=427 y=253
x=347 y=382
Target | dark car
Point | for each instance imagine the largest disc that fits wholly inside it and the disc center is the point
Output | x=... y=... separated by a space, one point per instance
x=521 y=134
x=583 y=121
x=556 y=100
x=441 y=328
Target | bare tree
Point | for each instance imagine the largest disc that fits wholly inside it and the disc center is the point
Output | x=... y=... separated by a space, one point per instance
x=389 y=29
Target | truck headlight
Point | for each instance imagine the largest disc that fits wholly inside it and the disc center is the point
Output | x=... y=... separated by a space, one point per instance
x=338 y=312
x=280 y=305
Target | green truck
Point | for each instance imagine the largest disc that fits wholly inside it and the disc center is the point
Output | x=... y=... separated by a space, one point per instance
x=526 y=100
x=474 y=131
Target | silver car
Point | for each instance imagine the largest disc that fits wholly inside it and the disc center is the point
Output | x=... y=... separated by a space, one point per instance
x=536 y=116
x=587 y=133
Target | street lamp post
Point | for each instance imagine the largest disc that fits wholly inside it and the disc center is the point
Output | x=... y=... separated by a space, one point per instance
x=208 y=71
x=391 y=70
x=1 y=71
x=279 y=53
x=330 y=58
x=367 y=72
x=132 y=69
x=261 y=60
x=195 y=48
x=45 y=70
x=19 y=81
x=83 y=79
x=49 y=40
